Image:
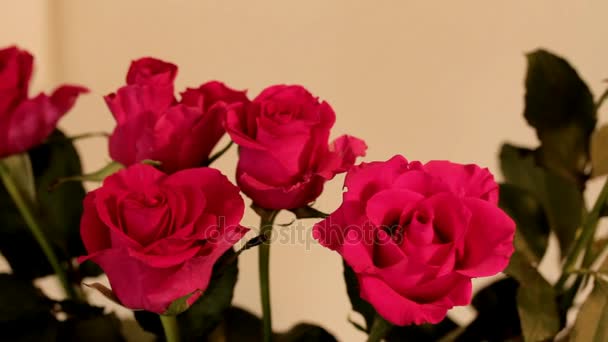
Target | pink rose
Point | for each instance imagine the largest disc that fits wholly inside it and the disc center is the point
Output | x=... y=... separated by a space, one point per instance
x=26 y=122
x=156 y=236
x=152 y=124
x=284 y=154
x=415 y=234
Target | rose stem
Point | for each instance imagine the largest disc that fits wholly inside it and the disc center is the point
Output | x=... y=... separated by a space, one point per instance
x=26 y=211
x=587 y=233
x=266 y=221
x=380 y=328
x=170 y=327
x=219 y=153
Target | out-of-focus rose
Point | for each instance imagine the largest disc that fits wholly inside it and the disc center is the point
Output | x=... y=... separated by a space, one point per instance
x=158 y=236
x=152 y=124
x=25 y=122
x=415 y=234
x=284 y=154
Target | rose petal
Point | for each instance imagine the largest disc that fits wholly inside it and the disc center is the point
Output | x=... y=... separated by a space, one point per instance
x=34 y=119
x=274 y=197
x=397 y=309
x=368 y=178
x=94 y=233
x=489 y=240
x=465 y=180
x=215 y=186
x=152 y=71
x=341 y=156
x=386 y=207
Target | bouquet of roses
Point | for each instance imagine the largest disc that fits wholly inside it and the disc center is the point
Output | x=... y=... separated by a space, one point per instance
x=163 y=225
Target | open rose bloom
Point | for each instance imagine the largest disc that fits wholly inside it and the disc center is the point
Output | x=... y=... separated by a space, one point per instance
x=415 y=234
x=26 y=122
x=158 y=236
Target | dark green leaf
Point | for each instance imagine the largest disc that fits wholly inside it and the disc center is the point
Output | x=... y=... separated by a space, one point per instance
x=359 y=305
x=536 y=301
x=19 y=299
x=59 y=212
x=242 y=326
x=561 y=198
x=204 y=315
x=25 y=313
x=592 y=321
x=497 y=318
x=532 y=234
x=61 y=209
x=560 y=106
x=308 y=212
x=304 y=332
x=421 y=333
x=599 y=152
x=105 y=328
x=179 y=305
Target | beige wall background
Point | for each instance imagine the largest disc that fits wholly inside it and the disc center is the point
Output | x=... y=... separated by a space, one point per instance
x=426 y=79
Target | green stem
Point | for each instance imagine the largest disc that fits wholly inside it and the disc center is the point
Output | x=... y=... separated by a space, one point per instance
x=266 y=222
x=219 y=153
x=380 y=328
x=170 y=327
x=27 y=212
x=588 y=232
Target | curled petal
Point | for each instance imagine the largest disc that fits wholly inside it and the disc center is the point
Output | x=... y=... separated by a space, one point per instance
x=342 y=155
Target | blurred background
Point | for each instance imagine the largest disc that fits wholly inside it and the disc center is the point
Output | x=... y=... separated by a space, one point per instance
x=426 y=79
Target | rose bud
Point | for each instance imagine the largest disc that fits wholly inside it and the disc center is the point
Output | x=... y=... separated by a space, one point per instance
x=284 y=154
x=153 y=125
x=415 y=234
x=26 y=122
x=157 y=236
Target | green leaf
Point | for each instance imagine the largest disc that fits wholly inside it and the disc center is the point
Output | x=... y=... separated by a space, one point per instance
x=25 y=313
x=19 y=299
x=61 y=209
x=359 y=305
x=102 y=328
x=240 y=325
x=308 y=212
x=421 y=333
x=58 y=211
x=561 y=199
x=96 y=176
x=536 y=301
x=532 y=233
x=592 y=321
x=497 y=318
x=560 y=106
x=204 y=315
x=304 y=332
x=179 y=305
x=599 y=152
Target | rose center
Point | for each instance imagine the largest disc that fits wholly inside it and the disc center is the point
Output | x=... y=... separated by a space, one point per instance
x=145 y=217
x=281 y=113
